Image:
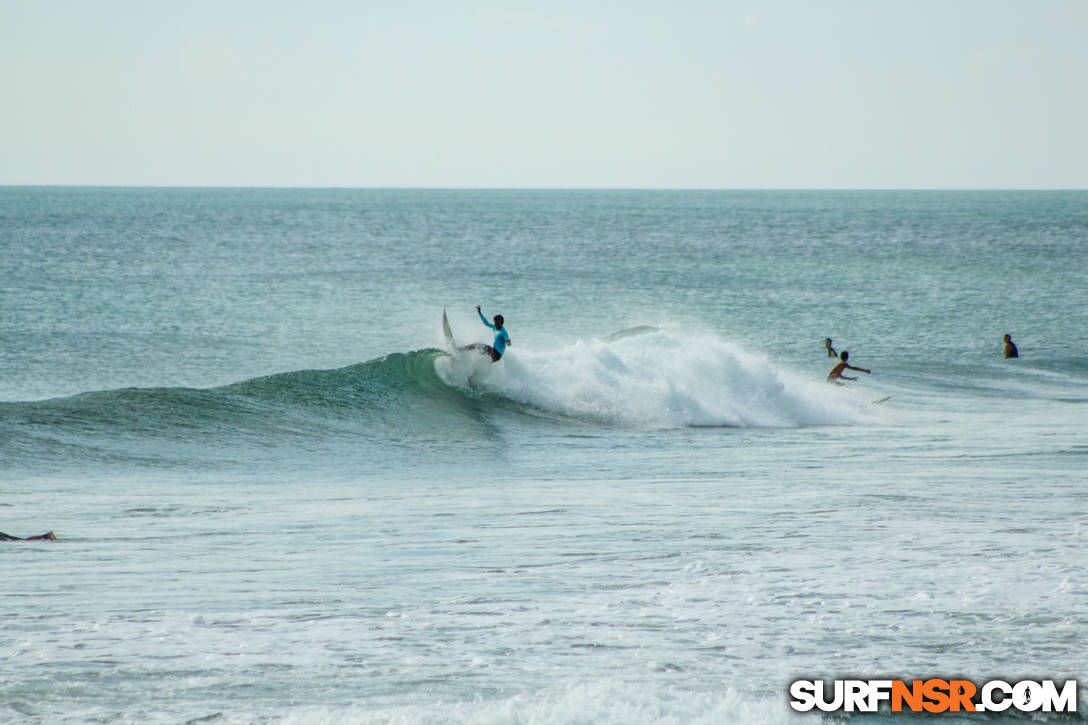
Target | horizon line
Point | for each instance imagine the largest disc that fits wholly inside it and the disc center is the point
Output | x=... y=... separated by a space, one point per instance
x=274 y=187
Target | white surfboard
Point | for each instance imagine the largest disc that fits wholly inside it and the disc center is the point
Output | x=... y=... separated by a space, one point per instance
x=451 y=346
x=466 y=361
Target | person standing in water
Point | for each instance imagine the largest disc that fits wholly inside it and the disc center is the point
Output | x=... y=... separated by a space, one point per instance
x=830 y=350
x=1010 y=348
x=502 y=338
x=836 y=372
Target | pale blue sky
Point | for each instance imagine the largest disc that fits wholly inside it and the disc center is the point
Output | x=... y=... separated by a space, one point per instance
x=420 y=93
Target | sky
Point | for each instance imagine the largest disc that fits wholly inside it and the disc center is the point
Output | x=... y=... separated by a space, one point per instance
x=691 y=94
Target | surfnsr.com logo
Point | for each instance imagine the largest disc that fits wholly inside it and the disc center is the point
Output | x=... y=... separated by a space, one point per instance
x=933 y=696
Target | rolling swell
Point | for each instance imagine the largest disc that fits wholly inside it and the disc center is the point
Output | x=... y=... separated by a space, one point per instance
x=388 y=400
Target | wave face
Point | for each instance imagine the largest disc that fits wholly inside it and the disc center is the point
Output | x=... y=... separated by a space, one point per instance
x=643 y=378
x=393 y=398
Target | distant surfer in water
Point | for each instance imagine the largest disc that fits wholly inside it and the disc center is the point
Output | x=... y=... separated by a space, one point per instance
x=1010 y=348
x=836 y=372
x=830 y=350
x=47 y=536
x=502 y=338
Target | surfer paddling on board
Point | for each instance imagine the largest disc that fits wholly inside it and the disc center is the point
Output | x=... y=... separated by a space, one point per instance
x=47 y=536
x=836 y=372
x=502 y=338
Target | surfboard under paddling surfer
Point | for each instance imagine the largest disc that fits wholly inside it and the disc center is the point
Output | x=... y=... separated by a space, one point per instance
x=502 y=338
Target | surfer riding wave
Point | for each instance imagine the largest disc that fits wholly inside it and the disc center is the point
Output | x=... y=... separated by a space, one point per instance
x=502 y=338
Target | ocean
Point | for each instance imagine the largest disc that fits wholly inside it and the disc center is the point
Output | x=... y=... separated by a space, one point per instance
x=278 y=498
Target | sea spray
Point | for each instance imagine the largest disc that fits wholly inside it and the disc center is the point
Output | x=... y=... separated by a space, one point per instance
x=662 y=378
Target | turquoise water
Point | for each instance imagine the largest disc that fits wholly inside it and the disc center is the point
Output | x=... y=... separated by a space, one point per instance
x=278 y=499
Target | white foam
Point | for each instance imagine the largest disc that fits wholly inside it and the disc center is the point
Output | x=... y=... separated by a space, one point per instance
x=605 y=702
x=664 y=378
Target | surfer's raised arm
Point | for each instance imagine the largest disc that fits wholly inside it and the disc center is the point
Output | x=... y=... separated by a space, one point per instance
x=502 y=337
x=484 y=319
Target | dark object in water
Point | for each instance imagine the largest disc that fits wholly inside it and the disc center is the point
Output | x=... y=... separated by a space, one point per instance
x=47 y=536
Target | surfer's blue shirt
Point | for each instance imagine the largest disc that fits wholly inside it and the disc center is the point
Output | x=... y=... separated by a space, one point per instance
x=501 y=338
